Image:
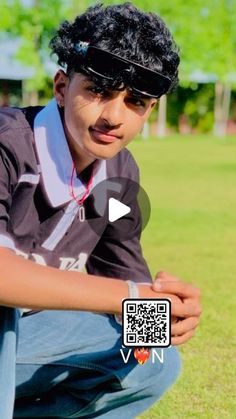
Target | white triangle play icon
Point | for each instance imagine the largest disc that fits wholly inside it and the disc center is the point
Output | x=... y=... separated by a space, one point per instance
x=116 y=210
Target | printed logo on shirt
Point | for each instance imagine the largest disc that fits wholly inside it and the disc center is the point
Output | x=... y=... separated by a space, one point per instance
x=66 y=263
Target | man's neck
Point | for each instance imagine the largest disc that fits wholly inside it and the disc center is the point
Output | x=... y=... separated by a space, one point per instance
x=81 y=166
x=80 y=158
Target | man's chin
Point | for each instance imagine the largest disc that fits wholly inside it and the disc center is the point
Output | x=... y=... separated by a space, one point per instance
x=103 y=153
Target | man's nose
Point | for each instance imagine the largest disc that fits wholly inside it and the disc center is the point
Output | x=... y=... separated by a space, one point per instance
x=113 y=111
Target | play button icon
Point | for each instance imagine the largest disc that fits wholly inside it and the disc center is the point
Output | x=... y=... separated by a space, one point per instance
x=117 y=210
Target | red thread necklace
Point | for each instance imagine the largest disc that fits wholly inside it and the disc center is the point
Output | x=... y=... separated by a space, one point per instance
x=80 y=201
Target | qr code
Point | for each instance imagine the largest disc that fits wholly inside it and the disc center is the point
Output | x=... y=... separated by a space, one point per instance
x=146 y=322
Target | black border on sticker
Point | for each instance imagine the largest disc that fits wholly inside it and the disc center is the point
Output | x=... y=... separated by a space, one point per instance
x=146 y=300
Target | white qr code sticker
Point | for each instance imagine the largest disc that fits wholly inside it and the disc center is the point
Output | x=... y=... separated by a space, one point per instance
x=146 y=322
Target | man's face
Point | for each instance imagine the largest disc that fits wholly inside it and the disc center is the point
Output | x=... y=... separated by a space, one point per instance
x=99 y=124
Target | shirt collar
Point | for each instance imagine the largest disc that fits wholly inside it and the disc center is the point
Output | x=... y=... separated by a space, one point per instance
x=55 y=158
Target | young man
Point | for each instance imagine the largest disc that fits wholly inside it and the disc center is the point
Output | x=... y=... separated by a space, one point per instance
x=62 y=358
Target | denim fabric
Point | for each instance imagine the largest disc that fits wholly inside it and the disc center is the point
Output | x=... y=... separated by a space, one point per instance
x=69 y=365
x=8 y=342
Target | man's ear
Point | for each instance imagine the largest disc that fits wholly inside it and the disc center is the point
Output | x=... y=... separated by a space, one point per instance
x=154 y=103
x=59 y=86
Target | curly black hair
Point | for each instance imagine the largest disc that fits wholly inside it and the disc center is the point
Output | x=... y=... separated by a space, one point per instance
x=123 y=30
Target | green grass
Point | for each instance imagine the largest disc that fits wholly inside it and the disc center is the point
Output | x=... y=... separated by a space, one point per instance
x=191 y=183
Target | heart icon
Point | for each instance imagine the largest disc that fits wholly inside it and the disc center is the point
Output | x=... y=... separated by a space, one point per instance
x=142 y=355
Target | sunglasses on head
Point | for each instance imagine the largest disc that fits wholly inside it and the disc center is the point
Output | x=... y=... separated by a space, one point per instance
x=111 y=67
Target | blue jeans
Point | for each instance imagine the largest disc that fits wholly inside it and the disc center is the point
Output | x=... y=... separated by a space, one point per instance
x=68 y=364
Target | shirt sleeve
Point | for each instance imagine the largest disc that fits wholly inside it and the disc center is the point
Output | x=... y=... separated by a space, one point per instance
x=8 y=179
x=118 y=258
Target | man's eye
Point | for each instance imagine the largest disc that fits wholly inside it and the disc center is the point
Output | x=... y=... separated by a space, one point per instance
x=137 y=102
x=97 y=90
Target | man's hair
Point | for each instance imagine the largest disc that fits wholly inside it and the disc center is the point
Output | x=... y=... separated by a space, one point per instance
x=123 y=30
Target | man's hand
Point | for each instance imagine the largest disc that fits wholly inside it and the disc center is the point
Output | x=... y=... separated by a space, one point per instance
x=186 y=307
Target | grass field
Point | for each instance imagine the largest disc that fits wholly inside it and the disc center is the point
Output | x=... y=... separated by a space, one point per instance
x=191 y=182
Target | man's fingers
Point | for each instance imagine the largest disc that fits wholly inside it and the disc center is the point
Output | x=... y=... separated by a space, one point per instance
x=184 y=326
x=179 y=340
x=186 y=309
x=192 y=306
x=179 y=288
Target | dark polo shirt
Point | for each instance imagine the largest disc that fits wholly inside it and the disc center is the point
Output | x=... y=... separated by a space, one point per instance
x=38 y=218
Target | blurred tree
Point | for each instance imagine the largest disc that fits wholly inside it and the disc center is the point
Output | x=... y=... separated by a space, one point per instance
x=35 y=23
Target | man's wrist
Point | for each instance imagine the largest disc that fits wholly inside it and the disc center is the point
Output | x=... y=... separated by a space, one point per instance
x=133 y=292
x=133 y=289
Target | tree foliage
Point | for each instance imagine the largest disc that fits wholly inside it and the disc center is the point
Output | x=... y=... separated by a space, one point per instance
x=35 y=24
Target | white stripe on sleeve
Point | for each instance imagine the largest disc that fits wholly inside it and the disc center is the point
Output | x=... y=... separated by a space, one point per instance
x=6 y=241
x=30 y=178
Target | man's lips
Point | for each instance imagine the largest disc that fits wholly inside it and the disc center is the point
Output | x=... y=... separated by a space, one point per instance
x=104 y=136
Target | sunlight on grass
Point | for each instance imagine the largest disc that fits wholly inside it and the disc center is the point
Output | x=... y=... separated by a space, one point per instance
x=191 y=183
